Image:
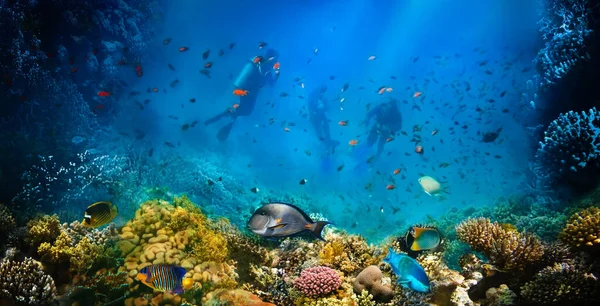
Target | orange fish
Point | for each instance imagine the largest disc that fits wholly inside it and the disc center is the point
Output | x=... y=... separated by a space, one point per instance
x=353 y=142
x=396 y=171
x=155 y=89
x=389 y=89
x=419 y=149
x=389 y=139
x=390 y=187
x=74 y=69
x=417 y=94
x=235 y=106
x=240 y=92
x=434 y=132
x=382 y=90
x=138 y=71
x=208 y=65
x=257 y=59
x=100 y=106
x=104 y=94
x=286 y=129
x=183 y=49
x=276 y=65
x=343 y=122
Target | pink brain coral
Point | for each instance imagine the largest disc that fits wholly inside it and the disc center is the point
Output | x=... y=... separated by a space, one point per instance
x=317 y=281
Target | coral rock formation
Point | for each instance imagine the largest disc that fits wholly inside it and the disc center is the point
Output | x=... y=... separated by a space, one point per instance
x=369 y=279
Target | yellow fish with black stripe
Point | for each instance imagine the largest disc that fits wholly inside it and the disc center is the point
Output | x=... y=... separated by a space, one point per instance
x=420 y=238
x=165 y=278
x=99 y=213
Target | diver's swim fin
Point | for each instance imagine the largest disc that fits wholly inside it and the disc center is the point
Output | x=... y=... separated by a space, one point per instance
x=224 y=132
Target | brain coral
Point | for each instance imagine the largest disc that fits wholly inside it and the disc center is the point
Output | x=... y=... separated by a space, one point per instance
x=583 y=228
x=505 y=247
x=317 y=281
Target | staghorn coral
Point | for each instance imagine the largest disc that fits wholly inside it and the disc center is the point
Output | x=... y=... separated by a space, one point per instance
x=583 y=229
x=25 y=282
x=560 y=284
x=317 y=281
x=507 y=249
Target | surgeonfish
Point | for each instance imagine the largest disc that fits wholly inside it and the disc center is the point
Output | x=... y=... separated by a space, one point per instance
x=165 y=278
x=420 y=238
x=409 y=272
x=278 y=220
x=99 y=213
x=431 y=186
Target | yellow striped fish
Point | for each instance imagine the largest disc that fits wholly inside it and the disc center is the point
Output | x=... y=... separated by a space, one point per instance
x=165 y=278
x=99 y=213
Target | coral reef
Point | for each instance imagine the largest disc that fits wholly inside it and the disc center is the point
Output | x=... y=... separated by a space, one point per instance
x=7 y=222
x=506 y=248
x=560 y=284
x=570 y=151
x=42 y=229
x=349 y=253
x=233 y=297
x=501 y=296
x=25 y=282
x=178 y=234
x=565 y=29
x=369 y=280
x=317 y=281
x=583 y=228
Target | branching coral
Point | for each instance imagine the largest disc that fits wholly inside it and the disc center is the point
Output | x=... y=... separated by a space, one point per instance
x=25 y=282
x=349 y=254
x=317 y=281
x=43 y=229
x=560 y=284
x=506 y=248
x=583 y=228
x=7 y=222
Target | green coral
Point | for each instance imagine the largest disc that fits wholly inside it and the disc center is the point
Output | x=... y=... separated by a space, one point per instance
x=42 y=229
x=7 y=222
x=364 y=299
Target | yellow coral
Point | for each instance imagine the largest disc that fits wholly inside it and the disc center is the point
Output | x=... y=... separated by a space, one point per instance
x=80 y=256
x=42 y=229
x=583 y=228
x=347 y=253
x=58 y=251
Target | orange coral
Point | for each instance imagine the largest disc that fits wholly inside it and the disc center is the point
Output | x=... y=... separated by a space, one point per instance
x=583 y=228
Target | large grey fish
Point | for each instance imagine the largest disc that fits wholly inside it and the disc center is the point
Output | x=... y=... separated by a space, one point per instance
x=278 y=220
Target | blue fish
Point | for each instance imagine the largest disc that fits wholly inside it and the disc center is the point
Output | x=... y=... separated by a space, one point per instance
x=409 y=272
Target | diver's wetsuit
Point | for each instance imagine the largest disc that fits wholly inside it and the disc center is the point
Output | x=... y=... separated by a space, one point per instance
x=388 y=121
x=261 y=75
x=318 y=117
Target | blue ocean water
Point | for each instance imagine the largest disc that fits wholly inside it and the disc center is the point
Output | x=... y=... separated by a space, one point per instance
x=470 y=62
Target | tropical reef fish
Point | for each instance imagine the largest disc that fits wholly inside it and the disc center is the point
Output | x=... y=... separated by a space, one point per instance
x=278 y=220
x=431 y=186
x=420 y=238
x=165 y=278
x=99 y=213
x=410 y=274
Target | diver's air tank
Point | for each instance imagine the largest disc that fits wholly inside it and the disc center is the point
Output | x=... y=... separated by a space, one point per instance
x=249 y=77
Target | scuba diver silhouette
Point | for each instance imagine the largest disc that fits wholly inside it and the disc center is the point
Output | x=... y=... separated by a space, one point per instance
x=317 y=111
x=255 y=75
x=388 y=121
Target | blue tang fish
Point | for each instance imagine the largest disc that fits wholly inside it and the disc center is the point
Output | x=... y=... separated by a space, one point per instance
x=165 y=278
x=409 y=272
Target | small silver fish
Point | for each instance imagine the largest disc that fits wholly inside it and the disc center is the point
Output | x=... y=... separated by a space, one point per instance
x=278 y=220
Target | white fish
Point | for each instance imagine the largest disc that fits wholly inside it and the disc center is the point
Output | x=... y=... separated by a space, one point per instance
x=430 y=185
